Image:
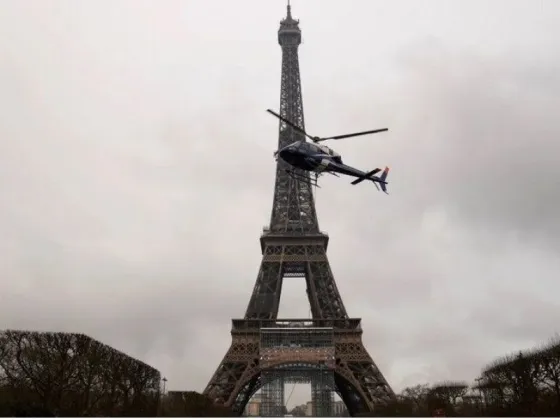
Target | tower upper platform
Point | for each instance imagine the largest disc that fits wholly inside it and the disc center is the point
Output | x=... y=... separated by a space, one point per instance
x=289 y=32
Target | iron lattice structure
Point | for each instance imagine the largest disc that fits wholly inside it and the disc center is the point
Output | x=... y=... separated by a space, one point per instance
x=282 y=351
x=293 y=246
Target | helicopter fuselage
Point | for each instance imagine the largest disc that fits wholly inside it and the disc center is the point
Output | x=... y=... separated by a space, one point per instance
x=308 y=156
x=317 y=158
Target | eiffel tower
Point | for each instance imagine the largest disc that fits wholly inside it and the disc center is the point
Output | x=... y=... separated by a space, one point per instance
x=262 y=352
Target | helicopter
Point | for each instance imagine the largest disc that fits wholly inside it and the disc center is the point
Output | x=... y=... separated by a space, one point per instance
x=319 y=159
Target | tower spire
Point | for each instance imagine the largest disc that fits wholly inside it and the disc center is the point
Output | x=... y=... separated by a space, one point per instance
x=289 y=15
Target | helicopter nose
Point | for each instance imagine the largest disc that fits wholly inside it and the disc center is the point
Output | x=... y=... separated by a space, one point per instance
x=286 y=153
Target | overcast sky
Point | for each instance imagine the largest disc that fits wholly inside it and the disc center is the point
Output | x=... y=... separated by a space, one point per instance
x=136 y=173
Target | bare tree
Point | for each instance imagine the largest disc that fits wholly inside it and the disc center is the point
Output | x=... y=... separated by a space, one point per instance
x=548 y=358
x=449 y=391
x=415 y=399
x=72 y=374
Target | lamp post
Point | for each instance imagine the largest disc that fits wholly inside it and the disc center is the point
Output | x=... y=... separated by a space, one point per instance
x=161 y=395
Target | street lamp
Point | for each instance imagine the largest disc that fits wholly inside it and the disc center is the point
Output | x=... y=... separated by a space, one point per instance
x=161 y=395
x=164 y=380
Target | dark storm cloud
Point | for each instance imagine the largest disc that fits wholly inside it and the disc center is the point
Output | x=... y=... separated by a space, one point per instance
x=136 y=174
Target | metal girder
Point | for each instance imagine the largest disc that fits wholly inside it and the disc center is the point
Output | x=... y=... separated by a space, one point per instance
x=304 y=260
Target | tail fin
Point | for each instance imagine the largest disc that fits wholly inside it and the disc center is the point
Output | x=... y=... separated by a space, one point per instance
x=383 y=177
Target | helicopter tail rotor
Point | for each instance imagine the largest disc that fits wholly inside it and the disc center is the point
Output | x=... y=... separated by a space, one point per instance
x=383 y=177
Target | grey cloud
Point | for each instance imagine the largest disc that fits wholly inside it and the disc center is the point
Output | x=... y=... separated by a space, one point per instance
x=136 y=174
x=492 y=158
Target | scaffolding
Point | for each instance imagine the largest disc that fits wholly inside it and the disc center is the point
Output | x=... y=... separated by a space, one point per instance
x=296 y=354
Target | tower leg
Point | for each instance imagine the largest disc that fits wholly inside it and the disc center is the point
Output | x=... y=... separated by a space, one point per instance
x=272 y=395
x=322 y=385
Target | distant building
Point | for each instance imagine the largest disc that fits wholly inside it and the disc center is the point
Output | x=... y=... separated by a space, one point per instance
x=253 y=408
x=339 y=409
x=298 y=411
x=309 y=409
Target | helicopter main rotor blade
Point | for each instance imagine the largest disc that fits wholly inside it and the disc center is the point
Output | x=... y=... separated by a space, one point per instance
x=291 y=124
x=361 y=133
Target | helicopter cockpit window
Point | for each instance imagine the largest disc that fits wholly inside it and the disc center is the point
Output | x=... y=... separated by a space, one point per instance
x=324 y=149
x=312 y=147
x=293 y=146
x=303 y=146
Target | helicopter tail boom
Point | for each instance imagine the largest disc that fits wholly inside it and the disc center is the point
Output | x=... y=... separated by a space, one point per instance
x=376 y=180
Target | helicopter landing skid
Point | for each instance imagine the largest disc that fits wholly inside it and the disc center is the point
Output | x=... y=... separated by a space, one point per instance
x=303 y=178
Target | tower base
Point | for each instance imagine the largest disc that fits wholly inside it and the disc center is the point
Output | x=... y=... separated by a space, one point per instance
x=267 y=353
